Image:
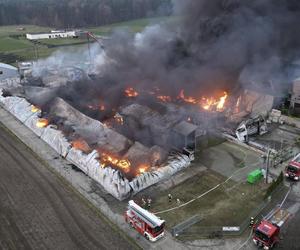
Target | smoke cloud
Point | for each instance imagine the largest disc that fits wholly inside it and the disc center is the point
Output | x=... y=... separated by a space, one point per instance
x=207 y=47
x=210 y=46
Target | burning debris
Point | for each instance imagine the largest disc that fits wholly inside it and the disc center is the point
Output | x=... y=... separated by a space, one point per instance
x=130 y=92
x=153 y=93
x=81 y=145
x=42 y=123
x=34 y=109
x=108 y=160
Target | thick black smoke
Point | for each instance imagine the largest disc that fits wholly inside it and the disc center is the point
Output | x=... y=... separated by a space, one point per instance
x=207 y=47
x=247 y=41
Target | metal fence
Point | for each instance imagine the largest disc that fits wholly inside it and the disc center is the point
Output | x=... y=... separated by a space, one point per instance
x=181 y=227
x=185 y=230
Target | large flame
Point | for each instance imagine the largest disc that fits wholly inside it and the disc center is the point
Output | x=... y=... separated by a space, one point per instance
x=143 y=168
x=207 y=103
x=131 y=92
x=81 y=144
x=221 y=102
x=107 y=159
x=42 y=123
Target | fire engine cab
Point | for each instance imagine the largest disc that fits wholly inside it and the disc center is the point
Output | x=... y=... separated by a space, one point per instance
x=266 y=233
x=292 y=171
x=146 y=223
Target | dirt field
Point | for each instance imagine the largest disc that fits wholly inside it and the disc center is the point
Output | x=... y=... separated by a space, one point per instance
x=38 y=211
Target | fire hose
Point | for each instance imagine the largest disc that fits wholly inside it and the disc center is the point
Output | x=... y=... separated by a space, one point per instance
x=205 y=193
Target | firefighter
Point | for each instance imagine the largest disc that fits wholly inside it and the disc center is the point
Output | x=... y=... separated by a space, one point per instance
x=149 y=202
x=143 y=203
x=170 y=197
x=251 y=222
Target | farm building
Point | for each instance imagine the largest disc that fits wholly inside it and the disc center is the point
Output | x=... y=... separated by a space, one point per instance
x=52 y=35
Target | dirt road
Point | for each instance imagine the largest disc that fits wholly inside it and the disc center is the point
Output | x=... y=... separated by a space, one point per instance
x=39 y=211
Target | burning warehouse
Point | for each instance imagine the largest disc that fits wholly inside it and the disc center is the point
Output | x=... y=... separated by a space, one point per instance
x=138 y=142
x=136 y=121
x=164 y=130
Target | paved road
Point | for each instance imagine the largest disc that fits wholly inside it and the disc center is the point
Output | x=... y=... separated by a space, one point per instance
x=38 y=211
x=290 y=232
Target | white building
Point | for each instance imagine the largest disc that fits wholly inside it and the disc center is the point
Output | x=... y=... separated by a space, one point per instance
x=52 y=35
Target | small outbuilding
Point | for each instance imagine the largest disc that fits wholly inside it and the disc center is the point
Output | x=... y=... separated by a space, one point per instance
x=52 y=35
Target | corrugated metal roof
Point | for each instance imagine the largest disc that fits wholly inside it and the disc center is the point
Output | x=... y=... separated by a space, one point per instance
x=7 y=66
x=7 y=71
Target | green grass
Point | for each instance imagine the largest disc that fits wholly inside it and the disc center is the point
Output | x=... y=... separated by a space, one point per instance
x=12 y=29
x=8 y=44
x=225 y=206
x=14 y=46
x=63 y=41
x=134 y=25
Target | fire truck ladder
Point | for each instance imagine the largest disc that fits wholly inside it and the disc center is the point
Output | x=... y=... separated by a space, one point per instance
x=146 y=216
x=93 y=37
x=279 y=215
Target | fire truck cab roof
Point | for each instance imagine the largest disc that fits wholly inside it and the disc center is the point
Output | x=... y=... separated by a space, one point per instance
x=267 y=228
x=295 y=161
x=151 y=219
x=295 y=164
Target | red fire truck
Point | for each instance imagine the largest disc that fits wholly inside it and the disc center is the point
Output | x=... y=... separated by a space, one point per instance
x=292 y=171
x=266 y=233
x=146 y=223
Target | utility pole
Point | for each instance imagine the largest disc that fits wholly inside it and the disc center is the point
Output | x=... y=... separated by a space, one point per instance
x=36 y=52
x=89 y=47
x=267 y=166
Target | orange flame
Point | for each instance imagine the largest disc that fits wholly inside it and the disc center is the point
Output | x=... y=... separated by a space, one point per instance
x=212 y=103
x=42 y=123
x=221 y=102
x=80 y=144
x=143 y=168
x=119 y=119
x=107 y=159
x=130 y=92
x=100 y=107
x=34 y=109
x=164 y=98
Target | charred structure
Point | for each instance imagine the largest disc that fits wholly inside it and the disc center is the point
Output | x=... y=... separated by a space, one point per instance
x=153 y=93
